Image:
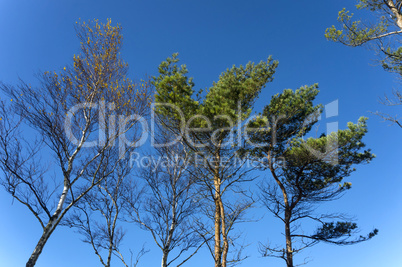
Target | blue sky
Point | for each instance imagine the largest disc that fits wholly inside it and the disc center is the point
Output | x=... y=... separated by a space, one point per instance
x=210 y=37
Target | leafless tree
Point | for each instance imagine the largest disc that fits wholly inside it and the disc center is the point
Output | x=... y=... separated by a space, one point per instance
x=394 y=100
x=47 y=146
x=168 y=208
x=99 y=214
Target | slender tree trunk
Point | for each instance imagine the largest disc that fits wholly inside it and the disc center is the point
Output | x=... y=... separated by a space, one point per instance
x=47 y=231
x=218 y=218
x=225 y=248
x=218 y=212
x=288 y=213
x=49 y=228
x=166 y=249
x=289 y=250
x=110 y=251
x=172 y=228
x=164 y=259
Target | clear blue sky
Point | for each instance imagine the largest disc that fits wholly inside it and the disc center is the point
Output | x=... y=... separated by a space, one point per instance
x=210 y=37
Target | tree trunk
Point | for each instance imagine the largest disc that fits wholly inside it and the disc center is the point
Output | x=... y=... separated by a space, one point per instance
x=47 y=231
x=218 y=212
x=218 y=251
x=225 y=248
x=110 y=252
x=396 y=12
x=164 y=259
x=288 y=214
x=172 y=228
x=289 y=250
x=49 y=228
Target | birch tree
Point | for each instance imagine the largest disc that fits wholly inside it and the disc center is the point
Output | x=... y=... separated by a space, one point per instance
x=169 y=204
x=57 y=137
x=99 y=215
